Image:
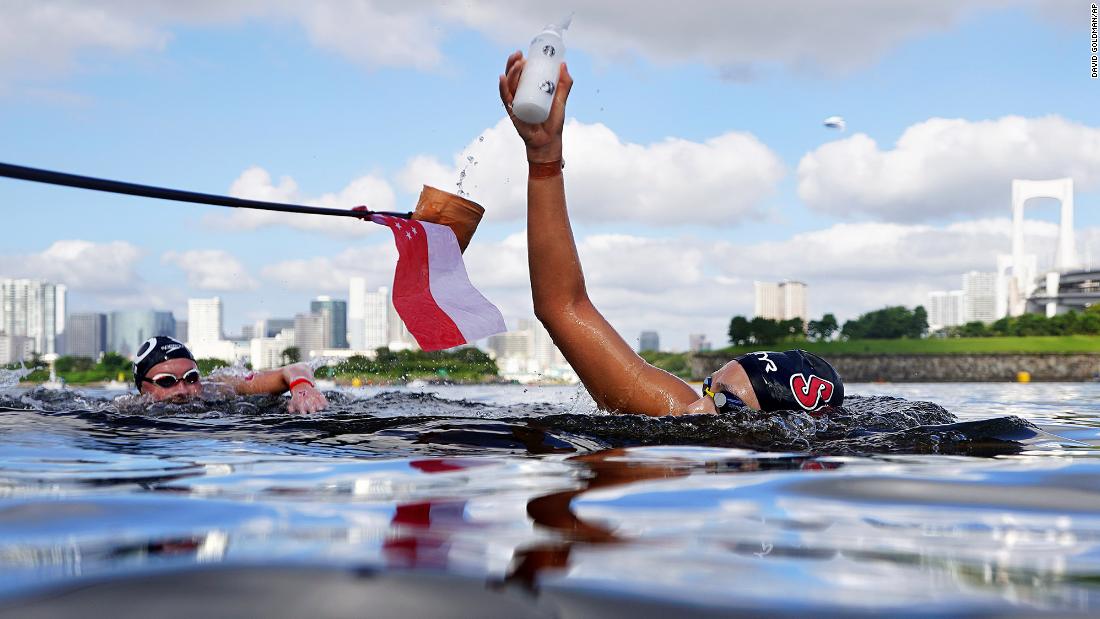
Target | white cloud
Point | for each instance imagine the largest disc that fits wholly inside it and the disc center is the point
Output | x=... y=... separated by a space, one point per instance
x=104 y=274
x=725 y=177
x=36 y=36
x=256 y=183
x=734 y=38
x=212 y=269
x=330 y=274
x=80 y=265
x=947 y=167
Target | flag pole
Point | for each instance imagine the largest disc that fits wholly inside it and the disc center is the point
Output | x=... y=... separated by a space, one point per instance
x=163 y=193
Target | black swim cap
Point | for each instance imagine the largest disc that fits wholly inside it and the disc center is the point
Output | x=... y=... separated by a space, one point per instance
x=792 y=380
x=157 y=350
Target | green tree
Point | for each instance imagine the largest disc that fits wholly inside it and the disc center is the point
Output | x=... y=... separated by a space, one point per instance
x=793 y=329
x=292 y=355
x=208 y=365
x=67 y=364
x=821 y=330
x=765 y=331
x=975 y=328
x=1001 y=327
x=740 y=332
x=918 y=327
x=888 y=323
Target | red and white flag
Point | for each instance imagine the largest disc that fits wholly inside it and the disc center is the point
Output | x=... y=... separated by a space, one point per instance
x=431 y=290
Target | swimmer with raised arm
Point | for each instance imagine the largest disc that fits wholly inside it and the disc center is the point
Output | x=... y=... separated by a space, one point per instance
x=165 y=370
x=616 y=377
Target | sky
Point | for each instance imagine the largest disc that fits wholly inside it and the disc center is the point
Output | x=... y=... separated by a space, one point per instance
x=696 y=157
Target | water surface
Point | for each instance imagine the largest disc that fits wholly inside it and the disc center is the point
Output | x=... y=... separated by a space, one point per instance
x=524 y=501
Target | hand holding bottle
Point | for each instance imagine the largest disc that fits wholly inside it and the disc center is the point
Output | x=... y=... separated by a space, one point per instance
x=543 y=139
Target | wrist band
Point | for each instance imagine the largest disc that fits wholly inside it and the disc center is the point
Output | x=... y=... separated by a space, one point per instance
x=544 y=169
x=297 y=381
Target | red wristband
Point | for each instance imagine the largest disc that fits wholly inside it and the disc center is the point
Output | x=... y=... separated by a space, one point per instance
x=297 y=381
x=544 y=169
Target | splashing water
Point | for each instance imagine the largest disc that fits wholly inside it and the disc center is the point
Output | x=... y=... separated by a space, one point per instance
x=11 y=378
x=470 y=161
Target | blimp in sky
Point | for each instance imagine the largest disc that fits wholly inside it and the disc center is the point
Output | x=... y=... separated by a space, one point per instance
x=835 y=122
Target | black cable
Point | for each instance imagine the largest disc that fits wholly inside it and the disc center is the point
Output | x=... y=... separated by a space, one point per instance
x=148 y=191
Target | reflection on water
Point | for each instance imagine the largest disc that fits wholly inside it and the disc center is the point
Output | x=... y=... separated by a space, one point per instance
x=884 y=507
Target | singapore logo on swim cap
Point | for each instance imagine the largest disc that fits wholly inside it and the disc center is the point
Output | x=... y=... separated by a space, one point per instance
x=810 y=393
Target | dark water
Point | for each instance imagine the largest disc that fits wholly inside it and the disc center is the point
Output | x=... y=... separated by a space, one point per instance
x=513 y=501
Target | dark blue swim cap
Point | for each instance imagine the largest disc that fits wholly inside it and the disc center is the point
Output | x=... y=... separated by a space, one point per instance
x=792 y=380
x=157 y=350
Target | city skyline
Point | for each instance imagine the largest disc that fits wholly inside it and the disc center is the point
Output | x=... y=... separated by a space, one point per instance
x=697 y=164
x=525 y=353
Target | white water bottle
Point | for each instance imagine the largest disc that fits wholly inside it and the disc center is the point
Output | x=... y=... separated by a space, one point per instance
x=539 y=80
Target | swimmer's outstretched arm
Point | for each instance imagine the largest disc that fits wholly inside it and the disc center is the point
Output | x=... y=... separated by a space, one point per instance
x=616 y=377
x=297 y=378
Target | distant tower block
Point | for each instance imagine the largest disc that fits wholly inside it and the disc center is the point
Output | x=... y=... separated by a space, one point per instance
x=1066 y=259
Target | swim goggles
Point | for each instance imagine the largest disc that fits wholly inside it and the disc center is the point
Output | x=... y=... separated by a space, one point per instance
x=724 y=401
x=167 y=381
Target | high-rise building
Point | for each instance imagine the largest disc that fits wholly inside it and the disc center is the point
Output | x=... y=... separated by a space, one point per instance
x=86 y=335
x=29 y=308
x=399 y=336
x=980 y=296
x=357 y=292
x=510 y=345
x=14 y=348
x=126 y=330
x=528 y=353
x=267 y=352
x=311 y=332
x=698 y=342
x=368 y=316
x=181 y=330
x=204 y=320
x=270 y=327
x=946 y=308
x=376 y=319
x=544 y=352
x=649 y=340
x=780 y=301
x=337 y=312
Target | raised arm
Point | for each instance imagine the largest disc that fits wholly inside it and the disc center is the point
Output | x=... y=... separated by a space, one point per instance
x=616 y=377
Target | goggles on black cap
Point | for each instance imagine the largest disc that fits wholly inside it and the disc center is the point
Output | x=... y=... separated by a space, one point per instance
x=157 y=350
x=792 y=380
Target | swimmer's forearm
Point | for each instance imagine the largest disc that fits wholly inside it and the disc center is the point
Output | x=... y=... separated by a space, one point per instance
x=297 y=373
x=557 y=281
x=274 y=381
